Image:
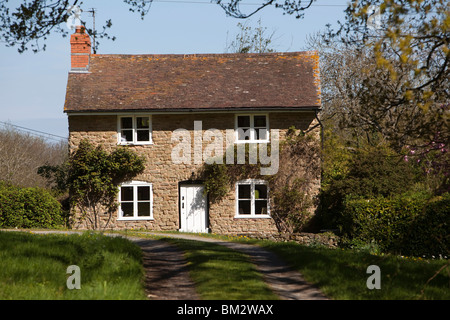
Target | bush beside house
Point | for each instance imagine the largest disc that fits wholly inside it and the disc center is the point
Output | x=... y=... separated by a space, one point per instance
x=29 y=208
x=405 y=224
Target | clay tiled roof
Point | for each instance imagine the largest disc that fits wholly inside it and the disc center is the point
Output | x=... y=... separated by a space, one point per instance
x=195 y=82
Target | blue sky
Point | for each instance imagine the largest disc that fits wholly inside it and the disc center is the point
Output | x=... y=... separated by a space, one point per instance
x=32 y=86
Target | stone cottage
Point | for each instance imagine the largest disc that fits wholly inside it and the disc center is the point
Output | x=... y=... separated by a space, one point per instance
x=175 y=109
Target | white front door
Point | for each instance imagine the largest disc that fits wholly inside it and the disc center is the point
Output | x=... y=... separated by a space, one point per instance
x=193 y=208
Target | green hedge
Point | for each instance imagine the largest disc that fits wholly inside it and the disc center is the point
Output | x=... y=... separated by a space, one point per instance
x=28 y=208
x=407 y=225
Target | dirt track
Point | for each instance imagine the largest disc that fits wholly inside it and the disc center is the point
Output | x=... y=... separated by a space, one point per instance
x=168 y=276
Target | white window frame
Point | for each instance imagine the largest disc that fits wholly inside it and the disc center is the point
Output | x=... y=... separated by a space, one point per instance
x=135 y=185
x=252 y=128
x=252 y=183
x=134 y=128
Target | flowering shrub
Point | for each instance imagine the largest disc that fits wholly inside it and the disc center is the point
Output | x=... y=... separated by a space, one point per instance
x=364 y=173
x=434 y=160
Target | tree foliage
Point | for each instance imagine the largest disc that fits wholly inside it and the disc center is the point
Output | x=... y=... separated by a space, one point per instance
x=414 y=32
x=291 y=7
x=24 y=25
x=293 y=188
x=251 y=40
x=408 y=224
x=29 y=208
x=396 y=70
x=27 y=24
x=93 y=179
x=21 y=154
x=369 y=172
x=362 y=98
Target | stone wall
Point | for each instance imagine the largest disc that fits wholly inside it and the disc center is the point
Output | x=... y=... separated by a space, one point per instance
x=166 y=175
x=326 y=239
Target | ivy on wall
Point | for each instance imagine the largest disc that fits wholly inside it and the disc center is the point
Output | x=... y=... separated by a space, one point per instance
x=293 y=189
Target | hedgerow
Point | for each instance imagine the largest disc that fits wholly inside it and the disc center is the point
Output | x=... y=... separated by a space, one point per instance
x=28 y=208
x=412 y=225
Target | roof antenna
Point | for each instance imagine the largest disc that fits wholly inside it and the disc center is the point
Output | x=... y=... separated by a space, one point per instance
x=92 y=11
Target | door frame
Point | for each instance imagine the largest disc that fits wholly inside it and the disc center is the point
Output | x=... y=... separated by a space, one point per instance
x=187 y=183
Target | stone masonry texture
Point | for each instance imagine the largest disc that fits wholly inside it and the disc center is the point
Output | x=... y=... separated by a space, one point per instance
x=165 y=176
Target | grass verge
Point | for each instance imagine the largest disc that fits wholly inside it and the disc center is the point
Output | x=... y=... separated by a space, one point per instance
x=35 y=267
x=221 y=273
x=342 y=274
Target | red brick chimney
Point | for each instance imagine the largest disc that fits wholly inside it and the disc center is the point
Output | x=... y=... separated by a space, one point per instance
x=80 y=44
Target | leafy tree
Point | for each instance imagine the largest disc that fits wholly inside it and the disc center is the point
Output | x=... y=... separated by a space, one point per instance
x=407 y=55
x=250 y=40
x=366 y=172
x=56 y=176
x=292 y=7
x=33 y=20
x=24 y=24
x=93 y=179
x=408 y=32
x=362 y=99
x=21 y=154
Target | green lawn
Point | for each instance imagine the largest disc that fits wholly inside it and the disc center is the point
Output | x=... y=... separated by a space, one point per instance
x=221 y=273
x=35 y=267
x=341 y=274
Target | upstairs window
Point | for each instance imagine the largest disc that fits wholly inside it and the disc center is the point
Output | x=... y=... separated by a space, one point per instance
x=135 y=130
x=252 y=128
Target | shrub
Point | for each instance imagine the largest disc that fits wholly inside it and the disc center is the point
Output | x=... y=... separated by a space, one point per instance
x=93 y=177
x=369 y=172
x=407 y=224
x=429 y=231
x=28 y=208
x=293 y=187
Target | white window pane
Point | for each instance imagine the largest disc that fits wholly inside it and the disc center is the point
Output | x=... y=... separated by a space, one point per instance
x=261 y=134
x=143 y=135
x=243 y=134
x=143 y=193
x=135 y=200
x=127 y=135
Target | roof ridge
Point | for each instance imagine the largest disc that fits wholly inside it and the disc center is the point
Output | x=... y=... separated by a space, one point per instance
x=207 y=54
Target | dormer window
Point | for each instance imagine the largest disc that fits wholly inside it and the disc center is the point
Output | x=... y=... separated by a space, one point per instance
x=134 y=130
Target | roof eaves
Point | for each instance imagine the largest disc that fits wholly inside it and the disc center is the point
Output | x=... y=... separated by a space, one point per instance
x=194 y=110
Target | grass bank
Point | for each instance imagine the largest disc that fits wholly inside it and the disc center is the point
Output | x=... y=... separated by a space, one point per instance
x=35 y=267
x=342 y=274
x=221 y=273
